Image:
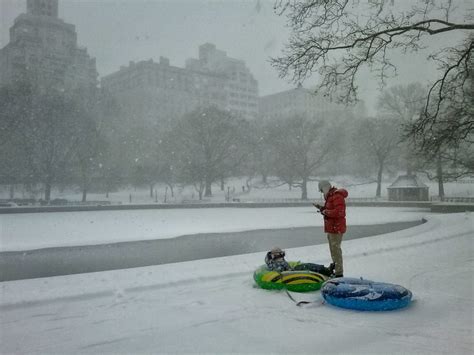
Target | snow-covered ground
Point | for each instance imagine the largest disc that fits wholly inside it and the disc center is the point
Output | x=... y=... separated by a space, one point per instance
x=213 y=306
x=42 y=230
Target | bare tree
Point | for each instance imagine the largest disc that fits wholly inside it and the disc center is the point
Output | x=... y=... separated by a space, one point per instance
x=143 y=156
x=87 y=153
x=167 y=155
x=444 y=133
x=259 y=160
x=336 y=38
x=449 y=119
x=302 y=145
x=207 y=141
x=447 y=160
x=378 y=139
x=114 y=145
x=55 y=134
x=402 y=104
x=48 y=129
x=15 y=107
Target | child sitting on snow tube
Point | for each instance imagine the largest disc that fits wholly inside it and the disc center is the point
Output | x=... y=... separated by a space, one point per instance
x=278 y=274
x=275 y=261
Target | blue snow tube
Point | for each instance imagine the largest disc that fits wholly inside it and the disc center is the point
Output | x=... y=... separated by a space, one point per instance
x=365 y=295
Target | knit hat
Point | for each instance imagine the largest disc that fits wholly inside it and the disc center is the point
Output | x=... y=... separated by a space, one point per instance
x=277 y=253
x=324 y=184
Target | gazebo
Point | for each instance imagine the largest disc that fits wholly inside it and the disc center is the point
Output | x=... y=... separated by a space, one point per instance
x=408 y=188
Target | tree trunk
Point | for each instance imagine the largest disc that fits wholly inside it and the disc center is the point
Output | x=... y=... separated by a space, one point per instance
x=208 y=191
x=84 y=184
x=12 y=191
x=151 y=190
x=409 y=158
x=248 y=183
x=304 y=189
x=439 y=176
x=47 y=190
x=84 y=193
x=264 y=178
x=378 y=193
x=200 y=187
x=222 y=184
x=171 y=189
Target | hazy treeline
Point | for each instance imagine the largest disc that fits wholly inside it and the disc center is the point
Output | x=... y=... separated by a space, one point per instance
x=68 y=139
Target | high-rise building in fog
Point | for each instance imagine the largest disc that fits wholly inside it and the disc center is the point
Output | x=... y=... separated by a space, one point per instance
x=43 y=49
x=42 y=7
x=158 y=93
x=241 y=87
x=301 y=101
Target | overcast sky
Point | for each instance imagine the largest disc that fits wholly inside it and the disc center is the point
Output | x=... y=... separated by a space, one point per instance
x=118 y=31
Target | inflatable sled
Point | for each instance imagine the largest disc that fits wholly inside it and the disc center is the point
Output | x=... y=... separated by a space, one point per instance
x=304 y=280
x=365 y=295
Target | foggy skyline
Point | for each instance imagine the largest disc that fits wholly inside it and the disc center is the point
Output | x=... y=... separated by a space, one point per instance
x=116 y=32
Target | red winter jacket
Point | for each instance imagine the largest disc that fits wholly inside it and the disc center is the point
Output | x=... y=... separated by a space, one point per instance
x=334 y=211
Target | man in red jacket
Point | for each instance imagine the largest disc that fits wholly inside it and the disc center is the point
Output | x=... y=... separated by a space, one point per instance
x=334 y=212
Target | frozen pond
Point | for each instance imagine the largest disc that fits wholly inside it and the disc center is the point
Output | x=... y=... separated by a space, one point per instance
x=80 y=259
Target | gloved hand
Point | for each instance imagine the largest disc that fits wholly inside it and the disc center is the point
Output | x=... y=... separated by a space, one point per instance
x=318 y=206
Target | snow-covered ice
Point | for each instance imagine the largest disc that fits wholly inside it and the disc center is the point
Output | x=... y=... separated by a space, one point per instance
x=213 y=306
x=42 y=230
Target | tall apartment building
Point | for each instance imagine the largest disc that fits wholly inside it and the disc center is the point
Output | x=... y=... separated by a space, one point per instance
x=158 y=93
x=43 y=48
x=241 y=86
x=301 y=101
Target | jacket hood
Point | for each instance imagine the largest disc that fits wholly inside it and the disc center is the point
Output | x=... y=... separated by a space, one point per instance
x=342 y=192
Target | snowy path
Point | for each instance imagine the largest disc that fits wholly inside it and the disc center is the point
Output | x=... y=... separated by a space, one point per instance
x=212 y=306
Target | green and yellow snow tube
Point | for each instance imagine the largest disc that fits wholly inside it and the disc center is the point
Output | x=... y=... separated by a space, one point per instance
x=297 y=281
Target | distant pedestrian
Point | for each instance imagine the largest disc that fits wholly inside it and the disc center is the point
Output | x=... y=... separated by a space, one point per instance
x=334 y=213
